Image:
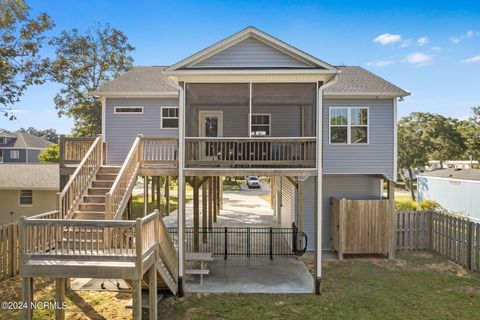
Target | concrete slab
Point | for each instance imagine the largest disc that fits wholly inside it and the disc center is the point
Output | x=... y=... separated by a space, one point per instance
x=254 y=276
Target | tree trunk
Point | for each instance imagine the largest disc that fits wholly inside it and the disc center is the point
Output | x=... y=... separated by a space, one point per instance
x=412 y=192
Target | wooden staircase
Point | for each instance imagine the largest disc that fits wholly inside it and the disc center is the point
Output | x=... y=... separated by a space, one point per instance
x=92 y=205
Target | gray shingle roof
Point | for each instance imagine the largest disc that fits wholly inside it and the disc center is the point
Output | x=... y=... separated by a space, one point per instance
x=138 y=80
x=351 y=81
x=25 y=140
x=463 y=174
x=29 y=176
x=357 y=80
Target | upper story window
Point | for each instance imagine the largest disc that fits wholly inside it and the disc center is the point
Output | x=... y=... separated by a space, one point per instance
x=25 y=198
x=169 y=118
x=348 y=125
x=14 y=154
x=128 y=110
x=3 y=140
x=1 y=155
x=261 y=125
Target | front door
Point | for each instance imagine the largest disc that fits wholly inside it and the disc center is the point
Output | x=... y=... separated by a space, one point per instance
x=211 y=125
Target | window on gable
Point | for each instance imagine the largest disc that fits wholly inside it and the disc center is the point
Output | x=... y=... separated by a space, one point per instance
x=14 y=154
x=169 y=118
x=348 y=125
x=26 y=198
x=261 y=125
x=3 y=140
x=128 y=110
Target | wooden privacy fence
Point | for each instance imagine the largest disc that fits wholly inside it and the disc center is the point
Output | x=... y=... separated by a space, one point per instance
x=452 y=236
x=8 y=250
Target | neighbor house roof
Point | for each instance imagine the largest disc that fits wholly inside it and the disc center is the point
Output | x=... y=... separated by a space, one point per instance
x=462 y=174
x=25 y=140
x=352 y=81
x=29 y=176
x=138 y=81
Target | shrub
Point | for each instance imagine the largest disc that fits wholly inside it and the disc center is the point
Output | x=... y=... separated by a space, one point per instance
x=50 y=154
x=407 y=205
x=429 y=205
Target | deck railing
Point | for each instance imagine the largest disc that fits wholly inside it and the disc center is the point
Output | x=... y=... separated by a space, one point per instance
x=250 y=152
x=159 y=150
x=73 y=149
x=69 y=198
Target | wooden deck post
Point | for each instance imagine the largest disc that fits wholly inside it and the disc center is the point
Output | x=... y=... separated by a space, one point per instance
x=220 y=190
x=215 y=201
x=204 y=212
x=159 y=194
x=137 y=299
x=152 y=186
x=152 y=291
x=59 y=298
x=196 y=213
x=145 y=196
x=27 y=297
x=210 y=204
x=167 y=195
x=272 y=193
x=300 y=188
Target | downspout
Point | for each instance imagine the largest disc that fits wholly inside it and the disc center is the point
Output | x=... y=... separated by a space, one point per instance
x=181 y=184
x=319 y=181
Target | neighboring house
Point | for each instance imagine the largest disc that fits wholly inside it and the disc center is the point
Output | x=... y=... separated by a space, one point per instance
x=21 y=147
x=249 y=105
x=456 y=190
x=27 y=189
x=456 y=164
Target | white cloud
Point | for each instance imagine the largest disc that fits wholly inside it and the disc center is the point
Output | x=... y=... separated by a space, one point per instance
x=458 y=39
x=387 y=38
x=380 y=63
x=417 y=58
x=404 y=45
x=472 y=59
x=436 y=49
x=422 y=41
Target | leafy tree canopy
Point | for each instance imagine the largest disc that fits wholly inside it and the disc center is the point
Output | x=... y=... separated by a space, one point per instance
x=21 y=38
x=83 y=62
x=50 y=154
x=47 y=134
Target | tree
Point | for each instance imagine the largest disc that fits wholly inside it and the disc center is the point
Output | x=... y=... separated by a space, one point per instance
x=21 y=38
x=50 y=154
x=83 y=62
x=470 y=132
x=414 y=146
x=47 y=134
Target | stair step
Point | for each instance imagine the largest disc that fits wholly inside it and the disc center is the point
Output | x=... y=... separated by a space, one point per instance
x=106 y=176
x=98 y=191
x=89 y=215
x=109 y=169
x=94 y=199
x=102 y=184
x=92 y=206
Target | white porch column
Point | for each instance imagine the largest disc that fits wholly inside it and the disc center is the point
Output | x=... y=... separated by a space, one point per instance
x=181 y=189
x=319 y=192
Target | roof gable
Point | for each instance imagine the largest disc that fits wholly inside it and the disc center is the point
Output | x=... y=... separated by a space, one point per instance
x=250 y=48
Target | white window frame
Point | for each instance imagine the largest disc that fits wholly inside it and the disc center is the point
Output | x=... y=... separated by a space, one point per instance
x=127 y=113
x=3 y=140
x=348 y=125
x=17 y=152
x=1 y=155
x=20 y=204
x=162 y=117
x=269 y=115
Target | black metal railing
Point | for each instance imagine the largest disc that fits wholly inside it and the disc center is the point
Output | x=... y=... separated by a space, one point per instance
x=245 y=242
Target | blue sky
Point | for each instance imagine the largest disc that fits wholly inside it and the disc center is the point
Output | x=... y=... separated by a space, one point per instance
x=430 y=48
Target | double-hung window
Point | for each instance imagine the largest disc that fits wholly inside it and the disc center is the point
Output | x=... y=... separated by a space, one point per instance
x=169 y=118
x=261 y=125
x=25 y=198
x=348 y=125
x=14 y=154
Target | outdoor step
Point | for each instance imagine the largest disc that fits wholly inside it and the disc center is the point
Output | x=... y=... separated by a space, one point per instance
x=102 y=184
x=89 y=215
x=94 y=199
x=106 y=176
x=109 y=169
x=92 y=206
x=98 y=191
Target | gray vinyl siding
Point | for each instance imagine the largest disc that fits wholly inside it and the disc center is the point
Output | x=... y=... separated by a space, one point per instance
x=235 y=120
x=250 y=53
x=33 y=156
x=377 y=156
x=339 y=186
x=284 y=120
x=22 y=156
x=121 y=129
x=288 y=204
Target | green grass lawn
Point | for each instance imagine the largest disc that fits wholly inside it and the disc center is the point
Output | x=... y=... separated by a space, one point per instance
x=137 y=204
x=415 y=286
x=402 y=197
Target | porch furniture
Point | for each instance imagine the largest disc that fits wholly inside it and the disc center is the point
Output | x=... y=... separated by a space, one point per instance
x=203 y=258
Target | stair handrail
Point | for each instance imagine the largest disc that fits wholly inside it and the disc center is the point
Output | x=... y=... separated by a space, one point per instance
x=69 y=198
x=116 y=198
x=166 y=249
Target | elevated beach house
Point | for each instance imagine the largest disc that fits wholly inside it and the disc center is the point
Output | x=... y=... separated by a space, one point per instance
x=248 y=105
